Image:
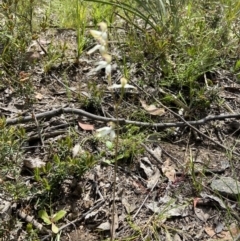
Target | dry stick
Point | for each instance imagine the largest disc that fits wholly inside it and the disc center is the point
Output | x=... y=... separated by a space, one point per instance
x=114 y=185
x=113 y=231
x=42 y=48
x=191 y=125
x=152 y=153
x=59 y=111
x=145 y=199
x=60 y=82
x=77 y=220
x=38 y=128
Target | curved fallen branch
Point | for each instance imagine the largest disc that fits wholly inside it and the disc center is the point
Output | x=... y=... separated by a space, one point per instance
x=191 y=124
x=56 y=112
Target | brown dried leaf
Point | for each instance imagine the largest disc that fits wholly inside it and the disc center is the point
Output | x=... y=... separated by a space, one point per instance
x=38 y=96
x=168 y=170
x=223 y=236
x=152 y=109
x=24 y=76
x=210 y=231
x=86 y=127
x=234 y=229
x=129 y=207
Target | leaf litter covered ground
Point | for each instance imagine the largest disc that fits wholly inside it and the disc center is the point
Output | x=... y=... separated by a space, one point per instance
x=166 y=185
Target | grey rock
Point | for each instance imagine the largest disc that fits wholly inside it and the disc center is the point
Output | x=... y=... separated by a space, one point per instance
x=226 y=186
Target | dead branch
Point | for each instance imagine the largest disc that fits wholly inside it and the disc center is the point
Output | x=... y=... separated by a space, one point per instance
x=56 y=112
x=191 y=124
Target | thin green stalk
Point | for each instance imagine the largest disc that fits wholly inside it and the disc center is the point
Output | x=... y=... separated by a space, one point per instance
x=115 y=163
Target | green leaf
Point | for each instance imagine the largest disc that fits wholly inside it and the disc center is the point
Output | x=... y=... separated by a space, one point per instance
x=107 y=161
x=237 y=65
x=121 y=156
x=44 y=216
x=29 y=228
x=37 y=174
x=109 y=145
x=58 y=215
x=46 y=184
x=54 y=228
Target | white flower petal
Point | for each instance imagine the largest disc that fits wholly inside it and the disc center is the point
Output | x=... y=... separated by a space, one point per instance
x=105 y=36
x=119 y=86
x=99 y=34
x=112 y=135
x=127 y=86
x=99 y=67
x=103 y=26
x=115 y=86
x=95 y=33
x=103 y=131
x=102 y=62
x=107 y=57
x=95 y=48
x=108 y=70
x=103 y=49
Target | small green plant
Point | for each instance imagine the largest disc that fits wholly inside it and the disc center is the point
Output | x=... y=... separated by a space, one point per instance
x=196 y=183
x=52 y=219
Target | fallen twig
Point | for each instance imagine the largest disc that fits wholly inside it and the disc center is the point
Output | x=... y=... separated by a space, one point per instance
x=145 y=199
x=159 y=161
x=38 y=128
x=55 y=112
x=191 y=124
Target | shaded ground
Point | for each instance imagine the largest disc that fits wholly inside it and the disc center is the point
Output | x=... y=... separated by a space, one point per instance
x=143 y=186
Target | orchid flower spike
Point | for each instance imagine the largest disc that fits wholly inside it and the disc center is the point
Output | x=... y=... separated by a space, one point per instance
x=100 y=34
x=123 y=84
x=107 y=130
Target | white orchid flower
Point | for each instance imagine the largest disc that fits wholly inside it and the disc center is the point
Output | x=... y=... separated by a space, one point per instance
x=123 y=84
x=107 y=130
x=100 y=34
x=105 y=64
x=101 y=46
